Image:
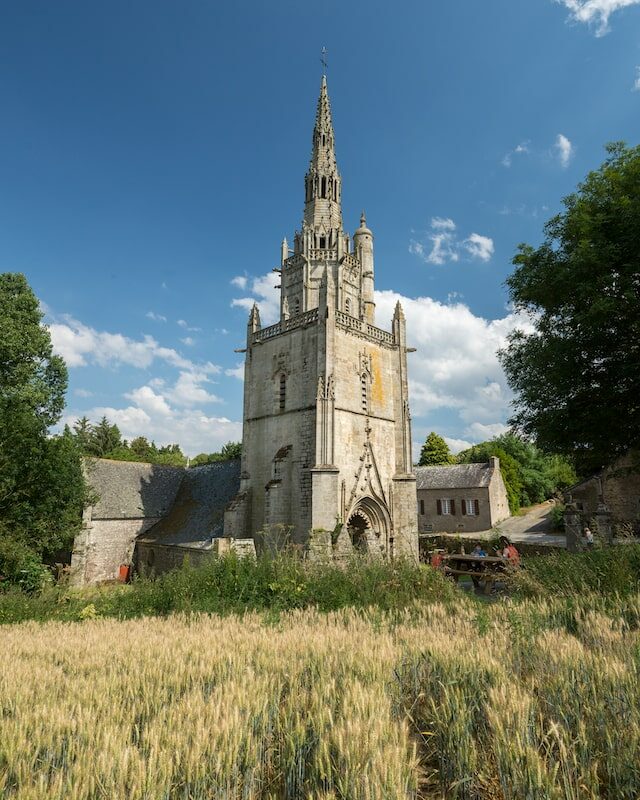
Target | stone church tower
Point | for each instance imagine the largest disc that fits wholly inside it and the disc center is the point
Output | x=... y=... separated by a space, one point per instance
x=327 y=430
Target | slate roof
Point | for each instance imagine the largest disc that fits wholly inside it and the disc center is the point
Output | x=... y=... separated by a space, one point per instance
x=132 y=490
x=454 y=476
x=197 y=515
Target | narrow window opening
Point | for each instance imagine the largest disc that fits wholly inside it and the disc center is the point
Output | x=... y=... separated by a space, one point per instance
x=323 y=140
x=323 y=188
x=364 y=393
x=283 y=390
x=422 y=508
x=347 y=306
x=323 y=242
x=296 y=306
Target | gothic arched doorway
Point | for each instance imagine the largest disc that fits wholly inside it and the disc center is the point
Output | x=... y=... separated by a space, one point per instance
x=358 y=526
x=368 y=525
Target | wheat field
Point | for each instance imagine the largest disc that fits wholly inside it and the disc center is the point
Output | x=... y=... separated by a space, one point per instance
x=534 y=700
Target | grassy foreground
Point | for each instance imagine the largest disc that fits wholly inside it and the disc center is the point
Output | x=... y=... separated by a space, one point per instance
x=539 y=699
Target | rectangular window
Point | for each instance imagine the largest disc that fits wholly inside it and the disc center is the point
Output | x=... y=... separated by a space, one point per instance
x=422 y=508
x=445 y=506
x=471 y=507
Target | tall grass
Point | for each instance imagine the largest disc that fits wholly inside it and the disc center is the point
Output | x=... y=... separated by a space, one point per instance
x=537 y=699
x=232 y=585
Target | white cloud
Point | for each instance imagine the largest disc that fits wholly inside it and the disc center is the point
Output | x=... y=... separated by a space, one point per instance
x=192 y=429
x=184 y=324
x=236 y=372
x=636 y=83
x=155 y=317
x=240 y=281
x=82 y=393
x=80 y=345
x=264 y=293
x=520 y=149
x=188 y=341
x=150 y=402
x=457 y=445
x=443 y=245
x=479 y=246
x=442 y=224
x=596 y=12
x=455 y=366
x=564 y=150
x=480 y=432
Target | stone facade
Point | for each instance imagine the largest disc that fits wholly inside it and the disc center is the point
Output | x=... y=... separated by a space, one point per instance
x=461 y=497
x=326 y=423
x=614 y=490
x=132 y=498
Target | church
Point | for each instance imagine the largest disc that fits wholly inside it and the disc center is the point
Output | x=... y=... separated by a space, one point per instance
x=326 y=451
x=326 y=423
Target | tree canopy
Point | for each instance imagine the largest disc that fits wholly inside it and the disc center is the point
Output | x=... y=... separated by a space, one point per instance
x=42 y=489
x=576 y=377
x=530 y=475
x=435 y=451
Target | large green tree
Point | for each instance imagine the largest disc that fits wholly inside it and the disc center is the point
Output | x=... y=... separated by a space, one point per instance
x=435 y=451
x=577 y=376
x=41 y=484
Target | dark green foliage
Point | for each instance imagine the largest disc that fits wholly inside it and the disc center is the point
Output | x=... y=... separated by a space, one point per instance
x=576 y=378
x=435 y=451
x=530 y=475
x=233 y=585
x=42 y=489
x=104 y=441
x=229 y=452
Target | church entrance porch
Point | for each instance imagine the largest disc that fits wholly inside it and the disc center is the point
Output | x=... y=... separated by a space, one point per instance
x=368 y=527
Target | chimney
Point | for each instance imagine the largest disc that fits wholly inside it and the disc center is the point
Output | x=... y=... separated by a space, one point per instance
x=494 y=462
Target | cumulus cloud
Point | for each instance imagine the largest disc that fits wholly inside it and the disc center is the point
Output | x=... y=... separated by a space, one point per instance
x=80 y=345
x=184 y=324
x=479 y=246
x=455 y=366
x=188 y=341
x=155 y=317
x=563 y=149
x=442 y=245
x=263 y=292
x=457 y=445
x=240 y=282
x=194 y=430
x=236 y=372
x=520 y=149
x=595 y=13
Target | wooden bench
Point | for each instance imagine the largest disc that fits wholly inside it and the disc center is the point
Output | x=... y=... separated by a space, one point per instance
x=484 y=571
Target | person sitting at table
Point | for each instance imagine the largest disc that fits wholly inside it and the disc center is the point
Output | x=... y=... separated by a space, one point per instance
x=510 y=552
x=478 y=550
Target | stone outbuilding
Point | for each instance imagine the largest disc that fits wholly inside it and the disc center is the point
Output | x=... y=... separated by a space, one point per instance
x=151 y=516
x=616 y=489
x=461 y=497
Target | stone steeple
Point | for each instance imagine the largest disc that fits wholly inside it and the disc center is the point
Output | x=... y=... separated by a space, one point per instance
x=322 y=211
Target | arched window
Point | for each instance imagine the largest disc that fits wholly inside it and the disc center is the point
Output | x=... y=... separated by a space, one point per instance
x=283 y=390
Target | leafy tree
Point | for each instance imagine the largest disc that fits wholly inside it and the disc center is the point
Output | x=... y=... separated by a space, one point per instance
x=229 y=452
x=576 y=376
x=435 y=451
x=509 y=468
x=42 y=489
x=82 y=433
x=104 y=439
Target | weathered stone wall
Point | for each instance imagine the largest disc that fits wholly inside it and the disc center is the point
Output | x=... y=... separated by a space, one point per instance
x=431 y=521
x=498 y=498
x=618 y=486
x=103 y=545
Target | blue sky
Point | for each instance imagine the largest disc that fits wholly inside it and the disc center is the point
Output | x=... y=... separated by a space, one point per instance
x=152 y=157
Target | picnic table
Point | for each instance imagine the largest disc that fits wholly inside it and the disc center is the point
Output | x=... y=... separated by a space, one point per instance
x=484 y=571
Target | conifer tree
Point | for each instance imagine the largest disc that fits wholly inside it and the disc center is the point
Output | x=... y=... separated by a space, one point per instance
x=435 y=451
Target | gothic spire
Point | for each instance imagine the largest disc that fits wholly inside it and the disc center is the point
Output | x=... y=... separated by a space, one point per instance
x=322 y=182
